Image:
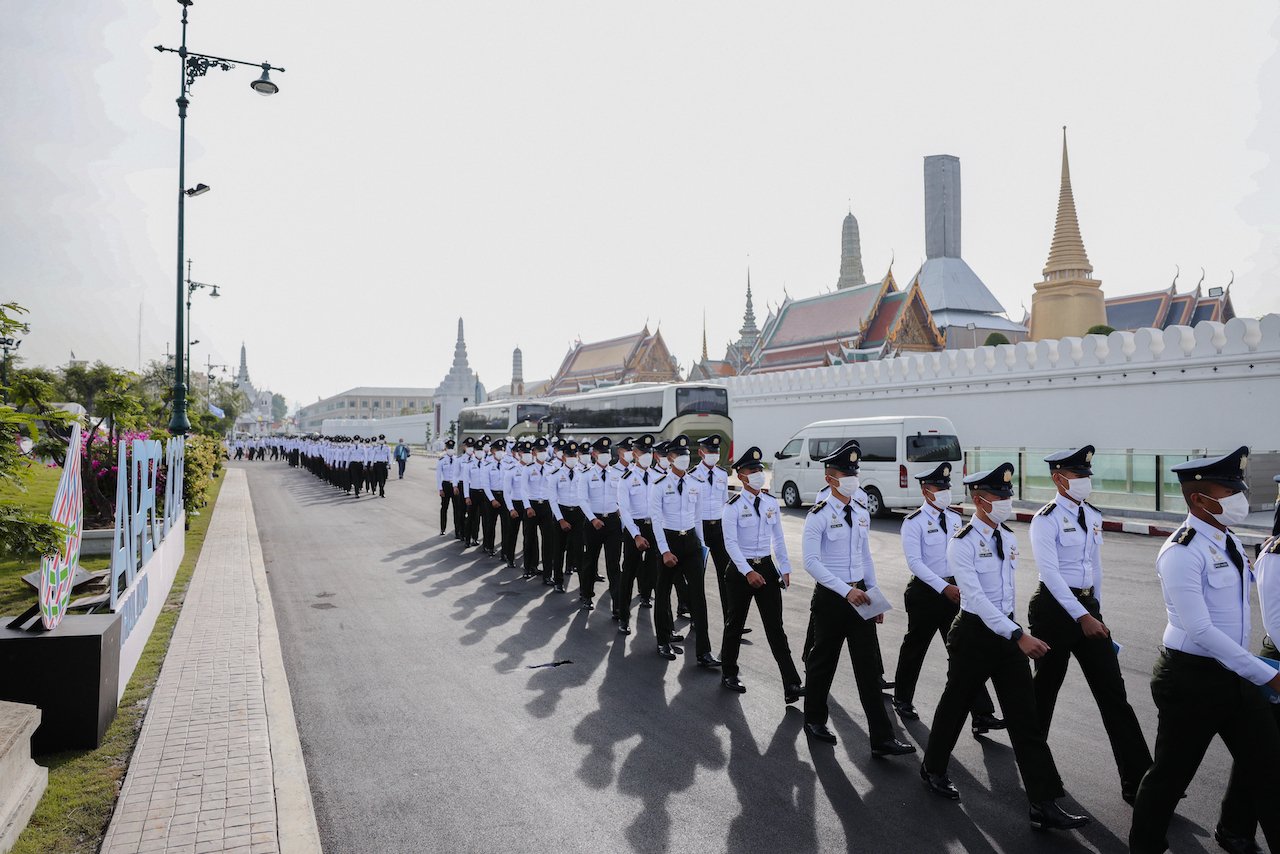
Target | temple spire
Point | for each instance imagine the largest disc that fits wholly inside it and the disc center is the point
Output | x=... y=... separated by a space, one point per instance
x=851 y=274
x=243 y=375
x=705 y=357
x=1066 y=252
x=749 y=332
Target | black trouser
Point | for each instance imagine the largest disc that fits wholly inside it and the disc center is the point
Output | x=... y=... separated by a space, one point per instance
x=836 y=623
x=1197 y=699
x=569 y=557
x=1100 y=665
x=380 y=477
x=929 y=613
x=400 y=466
x=1239 y=812
x=769 y=600
x=549 y=529
x=490 y=519
x=529 y=530
x=446 y=501
x=635 y=564
x=690 y=569
x=479 y=501
x=510 y=529
x=979 y=654
x=608 y=539
x=459 y=512
x=714 y=535
x=355 y=477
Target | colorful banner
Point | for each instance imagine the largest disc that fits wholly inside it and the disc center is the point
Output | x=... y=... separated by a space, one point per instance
x=59 y=571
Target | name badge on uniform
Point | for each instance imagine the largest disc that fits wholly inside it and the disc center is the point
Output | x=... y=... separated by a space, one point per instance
x=1067 y=526
x=836 y=523
x=1219 y=561
x=984 y=550
x=931 y=530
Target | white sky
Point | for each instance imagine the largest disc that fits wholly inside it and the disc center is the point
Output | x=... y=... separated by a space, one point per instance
x=554 y=169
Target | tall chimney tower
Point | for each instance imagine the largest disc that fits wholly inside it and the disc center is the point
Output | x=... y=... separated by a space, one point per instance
x=517 y=373
x=942 y=206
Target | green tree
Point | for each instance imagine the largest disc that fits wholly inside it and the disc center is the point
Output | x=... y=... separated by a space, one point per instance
x=1100 y=329
x=995 y=339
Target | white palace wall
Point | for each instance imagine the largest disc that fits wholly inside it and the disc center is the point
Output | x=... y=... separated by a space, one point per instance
x=1216 y=386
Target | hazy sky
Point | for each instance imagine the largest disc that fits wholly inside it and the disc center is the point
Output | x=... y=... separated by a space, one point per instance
x=552 y=170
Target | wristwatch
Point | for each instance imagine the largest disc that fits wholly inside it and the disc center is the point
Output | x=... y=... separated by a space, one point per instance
x=1016 y=636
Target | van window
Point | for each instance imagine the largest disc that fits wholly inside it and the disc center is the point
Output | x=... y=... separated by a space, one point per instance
x=819 y=448
x=932 y=448
x=879 y=449
x=793 y=449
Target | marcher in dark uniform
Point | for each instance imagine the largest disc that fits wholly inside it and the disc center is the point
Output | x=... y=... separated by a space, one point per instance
x=715 y=494
x=462 y=490
x=563 y=494
x=381 y=465
x=491 y=483
x=932 y=598
x=598 y=498
x=1205 y=681
x=1065 y=613
x=639 y=549
x=985 y=643
x=837 y=553
x=752 y=525
x=446 y=473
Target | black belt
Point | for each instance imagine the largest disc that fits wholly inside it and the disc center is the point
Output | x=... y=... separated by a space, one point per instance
x=760 y=561
x=640 y=521
x=1190 y=659
x=710 y=521
x=1082 y=591
x=950 y=580
x=538 y=501
x=675 y=533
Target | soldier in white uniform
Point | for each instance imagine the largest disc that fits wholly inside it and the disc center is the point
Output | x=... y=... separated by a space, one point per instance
x=714 y=496
x=932 y=598
x=1204 y=682
x=513 y=495
x=985 y=643
x=1066 y=613
x=639 y=555
x=598 y=498
x=446 y=474
x=760 y=571
x=837 y=553
x=568 y=514
x=491 y=482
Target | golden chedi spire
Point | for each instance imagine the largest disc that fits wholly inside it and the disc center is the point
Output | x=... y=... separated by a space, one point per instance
x=1069 y=301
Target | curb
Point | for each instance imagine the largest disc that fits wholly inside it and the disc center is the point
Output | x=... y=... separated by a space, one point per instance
x=296 y=829
x=1119 y=526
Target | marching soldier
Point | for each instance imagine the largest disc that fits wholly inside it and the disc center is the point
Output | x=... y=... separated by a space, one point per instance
x=752 y=525
x=837 y=553
x=491 y=481
x=598 y=497
x=462 y=490
x=714 y=496
x=529 y=515
x=985 y=643
x=446 y=474
x=1065 y=613
x=1204 y=683
x=381 y=466
x=932 y=598
x=540 y=477
x=676 y=513
x=513 y=496
x=355 y=465
x=568 y=515
x=639 y=559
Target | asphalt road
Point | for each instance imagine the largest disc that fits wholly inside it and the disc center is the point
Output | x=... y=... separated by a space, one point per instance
x=427 y=726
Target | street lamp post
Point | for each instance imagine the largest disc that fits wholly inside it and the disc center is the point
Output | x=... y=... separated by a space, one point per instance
x=195 y=65
x=8 y=344
x=192 y=287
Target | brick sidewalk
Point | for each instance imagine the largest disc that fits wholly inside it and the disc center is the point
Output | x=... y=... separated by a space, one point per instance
x=202 y=777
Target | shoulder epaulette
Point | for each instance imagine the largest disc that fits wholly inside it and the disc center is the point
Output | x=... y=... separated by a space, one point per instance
x=859 y=503
x=1047 y=509
x=1272 y=547
x=816 y=507
x=626 y=474
x=1091 y=507
x=1184 y=535
x=964 y=532
x=917 y=512
x=1006 y=527
x=660 y=479
x=734 y=497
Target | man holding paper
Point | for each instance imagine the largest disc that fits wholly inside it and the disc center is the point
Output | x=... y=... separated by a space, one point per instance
x=1206 y=682
x=985 y=643
x=846 y=604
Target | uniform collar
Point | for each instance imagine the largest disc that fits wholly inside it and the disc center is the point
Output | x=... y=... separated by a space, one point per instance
x=982 y=527
x=929 y=510
x=1067 y=504
x=1215 y=536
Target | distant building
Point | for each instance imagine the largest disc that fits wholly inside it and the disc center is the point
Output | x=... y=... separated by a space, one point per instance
x=518 y=388
x=366 y=403
x=258 y=419
x=1069 y=301
x=1164 y=308
x=640 y=357
x=460 y=387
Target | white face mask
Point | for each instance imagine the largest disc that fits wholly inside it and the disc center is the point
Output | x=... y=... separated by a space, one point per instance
x=681 y=462
x=497 y=455
x=471 y=452
x=645 y=460
x=711 y=459
x=755 y=480
x=602 y=459
x=542 y=456
x=1235 y=509
x=526 y=458
x=625 y=456
x=1001 y=511
x=941 y=498
x=1080 y=488
x=848 y=485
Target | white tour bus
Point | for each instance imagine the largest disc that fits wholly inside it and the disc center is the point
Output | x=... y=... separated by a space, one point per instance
x=894 y=449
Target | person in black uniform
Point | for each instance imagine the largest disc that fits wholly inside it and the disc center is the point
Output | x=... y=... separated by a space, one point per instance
x=446 y=467
x=639 y=557
x=985 y=643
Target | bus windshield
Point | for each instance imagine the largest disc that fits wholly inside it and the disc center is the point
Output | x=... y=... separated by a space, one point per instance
x=531 y=411
x=486 y=418
x=702 y=401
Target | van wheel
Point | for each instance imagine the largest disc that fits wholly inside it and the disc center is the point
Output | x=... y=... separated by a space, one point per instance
x=791 y=494
x=875 y=503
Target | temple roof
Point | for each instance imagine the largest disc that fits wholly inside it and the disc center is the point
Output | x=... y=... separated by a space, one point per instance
x=826 y=317
x=950 y=283
x=1164 y=308
x=600 y=356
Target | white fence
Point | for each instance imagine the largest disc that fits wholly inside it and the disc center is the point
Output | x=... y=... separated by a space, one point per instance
x=1214 y=386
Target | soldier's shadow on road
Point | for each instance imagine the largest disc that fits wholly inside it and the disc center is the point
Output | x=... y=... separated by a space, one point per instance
x=589 y=637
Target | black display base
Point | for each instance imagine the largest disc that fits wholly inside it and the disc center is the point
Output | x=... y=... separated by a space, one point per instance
x=71 y=673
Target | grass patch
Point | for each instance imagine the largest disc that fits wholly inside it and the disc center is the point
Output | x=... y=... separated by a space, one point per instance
x=73 y=815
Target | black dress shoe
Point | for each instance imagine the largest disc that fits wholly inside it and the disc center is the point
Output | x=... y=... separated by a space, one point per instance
x=733 y=684
x=587 y=605
x=984 y=723
x=1235 y=844
x=646 y=602
x=683 y=612
x=675 y=638
x=939 y=784
x=906 y=711
x=746 y=631
x=791 y=693
x=547 y=582
x=665 y=650
x=614 y=616
x=885 y=685
x=559 y=588
x=820 y=732
x=600 y=577
x=528 y=574
x=1047 y=815
x=892 y=747
x=708 y=661
x=624 y=629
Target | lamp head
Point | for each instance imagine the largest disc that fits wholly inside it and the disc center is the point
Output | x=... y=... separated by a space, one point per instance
x=197 y=190
x=263 y=85
x=215 y=293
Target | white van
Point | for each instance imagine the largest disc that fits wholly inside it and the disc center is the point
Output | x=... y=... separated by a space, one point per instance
x=894 y=449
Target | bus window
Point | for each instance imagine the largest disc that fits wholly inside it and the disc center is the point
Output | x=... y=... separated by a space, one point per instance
x=932 y=448
x=531 y=411
x=821 y=448
x=702 y=401
x=485 y=419
x=878 y=449
x=608 y=412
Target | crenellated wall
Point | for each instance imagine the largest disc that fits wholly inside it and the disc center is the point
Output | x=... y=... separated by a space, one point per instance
x=1214 y=386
